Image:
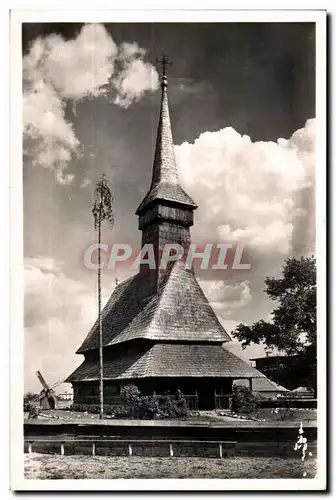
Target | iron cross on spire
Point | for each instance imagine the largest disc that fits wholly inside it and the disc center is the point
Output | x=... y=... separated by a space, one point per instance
x=164 y=61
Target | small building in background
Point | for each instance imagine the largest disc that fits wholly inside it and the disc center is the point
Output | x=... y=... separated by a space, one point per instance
x=264 y=387
x=303 y=392
x=273 y=361
x=65 y=396
x=287 y=371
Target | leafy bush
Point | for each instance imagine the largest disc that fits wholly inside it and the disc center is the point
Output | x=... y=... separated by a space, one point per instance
x=32 y=409
x=82 y=407
x=286 y=411
x=129 y=393
x=30 y=404
x=243 y=402
x=151 y=407
x=173 y=406
x=28 y=398
x=135 y=406
x=90 y=408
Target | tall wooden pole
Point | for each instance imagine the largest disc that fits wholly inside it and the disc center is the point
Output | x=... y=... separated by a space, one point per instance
x=102 y=209
x=101 y=365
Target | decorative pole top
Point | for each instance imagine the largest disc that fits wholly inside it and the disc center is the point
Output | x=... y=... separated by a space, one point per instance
x=164 y=61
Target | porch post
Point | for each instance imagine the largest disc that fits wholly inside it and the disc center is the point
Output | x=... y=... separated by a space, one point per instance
x=250 y=384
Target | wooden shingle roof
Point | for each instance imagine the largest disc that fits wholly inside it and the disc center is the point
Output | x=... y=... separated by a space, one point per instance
x=179 y=311
x=166 y=192
x=264 y=384
x=165 y=183
x=168 y=360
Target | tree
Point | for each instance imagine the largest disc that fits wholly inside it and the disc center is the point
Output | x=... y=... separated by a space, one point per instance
x=30 y=396
x=30 y=404
x=293 y=326
x=243 y=400
x=102 y=210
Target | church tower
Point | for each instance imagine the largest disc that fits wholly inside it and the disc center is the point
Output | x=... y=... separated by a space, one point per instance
x=159 y=330
x=166 y=213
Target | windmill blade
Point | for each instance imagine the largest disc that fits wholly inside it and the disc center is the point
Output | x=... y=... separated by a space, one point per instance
x=56 y=384
x=41 y=379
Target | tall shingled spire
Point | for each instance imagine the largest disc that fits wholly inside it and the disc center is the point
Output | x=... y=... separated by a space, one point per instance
x=164 y=168
x=165 y=183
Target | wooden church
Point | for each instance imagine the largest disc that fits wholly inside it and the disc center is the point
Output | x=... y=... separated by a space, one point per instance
x=159 y=330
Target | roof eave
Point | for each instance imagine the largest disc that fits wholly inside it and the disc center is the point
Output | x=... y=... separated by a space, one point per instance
x=146 y=204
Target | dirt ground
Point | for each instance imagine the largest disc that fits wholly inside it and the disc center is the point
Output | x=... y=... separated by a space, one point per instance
x=85 y=467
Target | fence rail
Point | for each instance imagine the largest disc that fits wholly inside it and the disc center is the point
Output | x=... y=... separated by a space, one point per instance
x=223 y=401
x=124 y=447
x=191 y=400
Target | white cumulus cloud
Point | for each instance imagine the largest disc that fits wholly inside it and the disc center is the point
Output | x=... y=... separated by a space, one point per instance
x=88 y=66
x=247 y=192
x=259 y=194
x=226 y=299
x=59 y=311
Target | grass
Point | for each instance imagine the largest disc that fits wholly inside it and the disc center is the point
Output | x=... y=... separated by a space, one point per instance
x=265 y=416
x=306 y=416
x=85 y=467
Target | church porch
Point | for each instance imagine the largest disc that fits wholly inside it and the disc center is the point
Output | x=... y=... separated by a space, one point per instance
x=202 y=393
x=209 y=392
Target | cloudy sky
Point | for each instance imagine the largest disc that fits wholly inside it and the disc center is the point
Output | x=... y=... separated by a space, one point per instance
x=242 y=104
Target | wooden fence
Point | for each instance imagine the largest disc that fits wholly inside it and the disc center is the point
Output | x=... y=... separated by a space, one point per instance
x=223 y=401
x=191 y=400
x=128 y=447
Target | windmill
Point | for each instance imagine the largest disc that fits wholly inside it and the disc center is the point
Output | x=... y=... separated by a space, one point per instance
x=47 y=397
